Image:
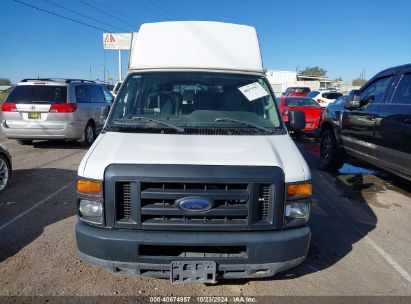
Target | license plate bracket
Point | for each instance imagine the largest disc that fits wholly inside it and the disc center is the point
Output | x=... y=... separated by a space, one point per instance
x=193 y=272
x=34 y=115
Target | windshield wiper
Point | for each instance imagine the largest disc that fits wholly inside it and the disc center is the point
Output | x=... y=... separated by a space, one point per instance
x=178 y=129
x=246 y=123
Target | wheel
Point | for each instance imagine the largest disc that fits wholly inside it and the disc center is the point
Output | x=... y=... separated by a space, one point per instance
x=298 y=134
x=89 y=135
x=332 y=157
x=25 y=142
x=4 y=172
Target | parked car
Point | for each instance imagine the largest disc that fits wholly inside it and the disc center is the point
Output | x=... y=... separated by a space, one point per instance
x=195 y=187
x=5 y=167
x=375 y=125
x=55 y=109
x=334 y=109
x=297 y=91
x=309 y=106
x=324 y=98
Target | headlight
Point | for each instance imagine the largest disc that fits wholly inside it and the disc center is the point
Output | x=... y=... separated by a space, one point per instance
x=298 y=204
x=297 y=210
x=91 y=211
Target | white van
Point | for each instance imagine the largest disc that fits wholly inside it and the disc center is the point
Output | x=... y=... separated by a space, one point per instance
x=194 y=177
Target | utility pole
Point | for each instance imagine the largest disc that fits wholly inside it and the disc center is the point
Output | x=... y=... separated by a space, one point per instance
x=119 y=66
x=92 y=66
x=362 y=75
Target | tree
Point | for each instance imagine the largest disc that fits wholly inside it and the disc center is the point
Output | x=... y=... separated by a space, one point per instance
x=313 y=71
x=359 y=81
x=5 y=81
x=338 y=79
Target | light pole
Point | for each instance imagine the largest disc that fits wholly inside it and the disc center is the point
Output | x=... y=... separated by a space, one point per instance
x=93 y=66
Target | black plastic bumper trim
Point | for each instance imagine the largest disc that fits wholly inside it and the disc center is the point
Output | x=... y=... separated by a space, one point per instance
x=263 y=247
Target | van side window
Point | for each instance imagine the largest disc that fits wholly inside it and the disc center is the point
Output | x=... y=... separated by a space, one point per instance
x=402 y=94
x=96 y=94
x=375 y=92
x=82 y=94
x=107 y=95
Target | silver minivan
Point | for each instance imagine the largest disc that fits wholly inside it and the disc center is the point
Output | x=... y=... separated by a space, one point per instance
x=62 y=109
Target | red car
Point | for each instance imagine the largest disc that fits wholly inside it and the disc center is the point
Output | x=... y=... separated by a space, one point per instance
x=312 y=110
x=297 y=91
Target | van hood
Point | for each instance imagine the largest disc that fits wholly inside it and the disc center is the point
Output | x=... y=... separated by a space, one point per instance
x=133 y=148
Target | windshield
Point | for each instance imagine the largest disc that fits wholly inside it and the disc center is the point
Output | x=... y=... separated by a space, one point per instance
x=298 y=90
x=313 y=94
x=301 y=90
x=195 y=100
x=301 y=102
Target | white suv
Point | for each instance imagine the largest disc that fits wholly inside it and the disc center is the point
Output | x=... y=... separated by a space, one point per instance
x=324 y=97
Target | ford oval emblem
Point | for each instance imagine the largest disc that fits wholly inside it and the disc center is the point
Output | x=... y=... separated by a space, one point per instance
x=195 y=204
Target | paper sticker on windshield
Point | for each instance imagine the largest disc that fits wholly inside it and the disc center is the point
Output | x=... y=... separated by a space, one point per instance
x=253 y=91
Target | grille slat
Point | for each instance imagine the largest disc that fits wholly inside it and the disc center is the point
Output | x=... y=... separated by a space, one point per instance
x=152 y=193
x=235 y=210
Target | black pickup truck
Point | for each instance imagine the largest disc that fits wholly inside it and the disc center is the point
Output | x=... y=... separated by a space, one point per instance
x=375 y=125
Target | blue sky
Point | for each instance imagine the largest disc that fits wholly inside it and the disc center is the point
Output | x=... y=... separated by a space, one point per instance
x=342 y=36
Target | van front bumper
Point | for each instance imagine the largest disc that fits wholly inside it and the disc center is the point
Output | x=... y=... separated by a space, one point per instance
x=267 y=252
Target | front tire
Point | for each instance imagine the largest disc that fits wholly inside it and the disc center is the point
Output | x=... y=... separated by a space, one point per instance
x=89 y=135
x=332 y=157
x=4 y=172
x=298 y=134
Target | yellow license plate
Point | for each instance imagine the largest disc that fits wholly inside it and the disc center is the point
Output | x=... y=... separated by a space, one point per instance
x=34 y=115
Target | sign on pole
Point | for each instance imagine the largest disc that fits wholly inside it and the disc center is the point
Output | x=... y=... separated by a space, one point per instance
x=116 y=41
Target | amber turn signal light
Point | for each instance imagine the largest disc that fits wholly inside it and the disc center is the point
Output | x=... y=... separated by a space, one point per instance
x=299 y=190
x=89 y=187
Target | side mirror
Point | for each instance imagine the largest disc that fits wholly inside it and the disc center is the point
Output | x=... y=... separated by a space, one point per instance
x=353 y=100
x=296 y=120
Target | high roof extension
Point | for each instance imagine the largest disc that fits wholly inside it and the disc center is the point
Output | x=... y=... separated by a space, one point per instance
x=196 y=45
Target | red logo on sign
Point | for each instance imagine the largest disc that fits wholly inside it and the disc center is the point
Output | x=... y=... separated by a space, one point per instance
x=109 y=39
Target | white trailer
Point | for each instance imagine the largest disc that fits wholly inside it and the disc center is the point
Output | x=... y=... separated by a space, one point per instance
x=280 y=80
